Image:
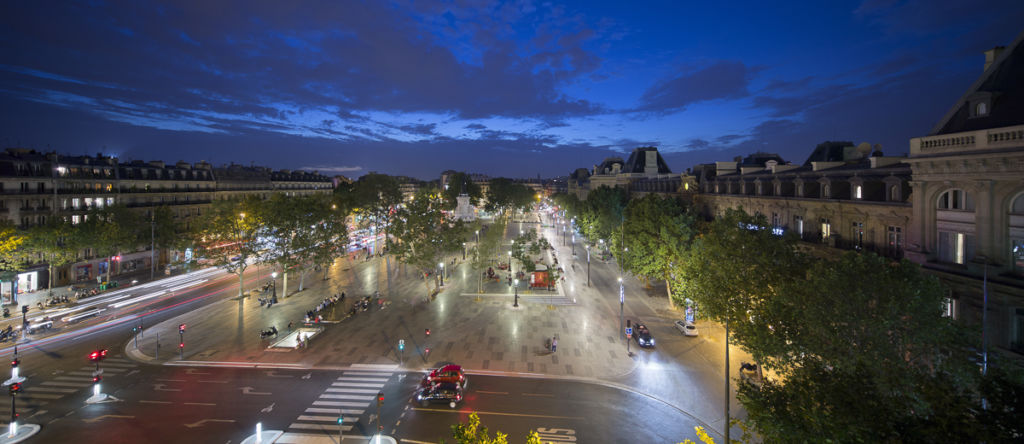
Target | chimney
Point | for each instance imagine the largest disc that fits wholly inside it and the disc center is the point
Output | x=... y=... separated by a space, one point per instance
x=991 y=56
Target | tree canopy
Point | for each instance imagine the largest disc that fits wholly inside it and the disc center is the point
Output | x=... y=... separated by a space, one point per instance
x=422 y=234
x=458 y=183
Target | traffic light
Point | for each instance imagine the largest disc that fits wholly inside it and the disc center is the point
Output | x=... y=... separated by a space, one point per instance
x=15 y=362
x=427 y=331
x=181 y=328
x=98 y=355
x=401 y=344
x=97 y=378
x=380 y=399
x=14 y=388
x=24 y=309
x=181 y=345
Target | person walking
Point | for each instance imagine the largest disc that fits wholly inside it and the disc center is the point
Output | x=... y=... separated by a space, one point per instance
x=554 y=343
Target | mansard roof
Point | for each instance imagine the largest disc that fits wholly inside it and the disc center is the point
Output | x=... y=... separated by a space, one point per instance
x=638 y=160
x=1000 y=86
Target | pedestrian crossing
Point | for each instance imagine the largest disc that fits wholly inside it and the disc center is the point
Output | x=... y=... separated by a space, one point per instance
x=349 y=396
x=38 y=392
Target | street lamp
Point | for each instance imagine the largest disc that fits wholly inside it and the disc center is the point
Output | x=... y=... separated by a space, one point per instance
x=622 y=302
x=588 y=264
x=441 y=264
x=273 y=277
x=574 y=244
x=510 y=265
x=516 y=303
x=477 y=236
x=463 y=251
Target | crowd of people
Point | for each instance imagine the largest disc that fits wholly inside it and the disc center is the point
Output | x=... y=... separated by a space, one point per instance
x=316 y=315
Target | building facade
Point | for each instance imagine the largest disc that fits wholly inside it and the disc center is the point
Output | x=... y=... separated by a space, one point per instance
x=38 y=187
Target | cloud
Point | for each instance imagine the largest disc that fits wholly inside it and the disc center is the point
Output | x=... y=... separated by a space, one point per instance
x=329 y=169
x=721 y=80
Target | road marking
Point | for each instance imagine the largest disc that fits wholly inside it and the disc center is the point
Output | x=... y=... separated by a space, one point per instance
x=348 y=379
x=524 y=415
x=70 y=378
x=248 y=391
x=335 y=411
x=53 y=389
x=125 y=366
x=160 y=388
x=352 y=390
x=132 y=372
x=204 y=421
x=171 y=380
x=144 y=401
x=355 y=397
x=339 y=404
x=214 y=382
x=66 y=384
x=79 y=373
x=323 y=427
x=318 y=418
x=192 y=371
x=491 y=393
x=307 y=376
x=42 y=396
x=268 y=408
x=363 y=374
x=538 y=394
x=200 y=403
x=273 y=374
x=353 y=384
x=108 y=416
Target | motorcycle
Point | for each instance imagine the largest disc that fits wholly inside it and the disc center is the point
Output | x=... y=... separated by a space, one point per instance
x=7 y=312
x=272 y=331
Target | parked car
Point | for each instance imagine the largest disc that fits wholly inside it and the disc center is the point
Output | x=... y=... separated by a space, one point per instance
x=452 y=373
x=442 y=392
x=686 y=327
x=643 y=335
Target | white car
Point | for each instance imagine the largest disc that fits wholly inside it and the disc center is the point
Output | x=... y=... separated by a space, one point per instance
x=686 y=328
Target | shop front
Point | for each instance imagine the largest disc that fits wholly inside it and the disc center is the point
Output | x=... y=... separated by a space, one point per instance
x=13 y=284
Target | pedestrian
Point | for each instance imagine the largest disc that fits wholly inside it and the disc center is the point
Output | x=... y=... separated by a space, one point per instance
x=554 y=343
x=290 y=324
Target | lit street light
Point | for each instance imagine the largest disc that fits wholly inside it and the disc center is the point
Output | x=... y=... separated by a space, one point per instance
x=516 y=303
x=588 y=265
x=441 y=264
x=273 y=277
x=463 y=251
x=622 y=302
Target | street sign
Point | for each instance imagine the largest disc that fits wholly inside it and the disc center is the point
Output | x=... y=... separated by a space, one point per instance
x=629 y=332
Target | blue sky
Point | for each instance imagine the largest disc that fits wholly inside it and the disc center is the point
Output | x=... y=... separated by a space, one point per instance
x=502 y=88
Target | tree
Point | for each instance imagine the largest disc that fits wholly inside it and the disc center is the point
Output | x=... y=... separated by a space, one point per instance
x=112 y=230
x=423 y=235
x=459 y=183
x=374 y=197
x=486 y=250
x=288 y=223
x=657 y=231
x=603 y=211
x=56 y=242
x=473 y=432
x=504 y=194
x=330 y=233
x=11 y=241
x=229 y=235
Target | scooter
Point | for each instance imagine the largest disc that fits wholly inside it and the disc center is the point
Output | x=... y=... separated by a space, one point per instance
x=7 y=313
x=272 y=331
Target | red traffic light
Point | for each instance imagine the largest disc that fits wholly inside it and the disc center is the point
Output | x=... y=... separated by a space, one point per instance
x=98 y=355
x=427 y=331
x=181 y=328
x=181 y=345
x=15 y=388
x=97 y=378
x=15 y=362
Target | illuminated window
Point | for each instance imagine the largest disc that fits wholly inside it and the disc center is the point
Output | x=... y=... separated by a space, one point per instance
x=826 y=228
x=857 y=192
x=981 y=109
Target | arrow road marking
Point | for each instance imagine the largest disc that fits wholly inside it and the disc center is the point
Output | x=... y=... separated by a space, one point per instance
x=248 y=391
x=160 y=388
x=131 y=372
x=307 y=376
x=108 y=416
x=200 y=423
x=273 y=374
x=268 y=408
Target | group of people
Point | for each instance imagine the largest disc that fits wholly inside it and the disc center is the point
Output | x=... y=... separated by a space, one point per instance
x=315 y=315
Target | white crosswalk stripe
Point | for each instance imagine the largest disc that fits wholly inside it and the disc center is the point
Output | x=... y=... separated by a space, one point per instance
x=348 y=396
x=67 y=384
x=53 y=389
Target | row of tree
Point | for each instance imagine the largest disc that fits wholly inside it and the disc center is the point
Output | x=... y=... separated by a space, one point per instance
x=859 y=347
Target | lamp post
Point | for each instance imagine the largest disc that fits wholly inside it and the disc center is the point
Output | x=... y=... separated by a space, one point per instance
x=622 y=303
x=273 y=277
x=516 y=303
x=574 y=244
x=463 y=251
x=510 y=265
x=477 y=236
x=588 y=265
x=441 y=264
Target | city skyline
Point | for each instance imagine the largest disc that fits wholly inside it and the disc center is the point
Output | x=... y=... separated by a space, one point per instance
x=514 y=89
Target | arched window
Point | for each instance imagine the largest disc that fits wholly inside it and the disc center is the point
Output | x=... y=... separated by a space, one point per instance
x=981 y=109
x=956 y=200
x=826 y=191
x=894 y=193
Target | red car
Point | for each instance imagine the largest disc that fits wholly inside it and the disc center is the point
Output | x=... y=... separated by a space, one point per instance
x=450 y=373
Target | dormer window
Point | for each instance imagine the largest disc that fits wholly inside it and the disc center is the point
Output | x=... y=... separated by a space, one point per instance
x=981 y=109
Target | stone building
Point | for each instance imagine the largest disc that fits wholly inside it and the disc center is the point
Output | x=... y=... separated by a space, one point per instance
x=37 y=187
x=968 y=199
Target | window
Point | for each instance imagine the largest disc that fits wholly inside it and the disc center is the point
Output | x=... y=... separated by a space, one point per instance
x=110 y=201
x=857 y=192
x=857 y=235
x=76 y=219
x=826 y=228
x=895 y=241
x=775 y=219
x=955 y=247
x=894 y=193
x=981 y=109
x=76 y=203
x=826 y=191
x=949 y=308
x=956 y=200
x=800 y=190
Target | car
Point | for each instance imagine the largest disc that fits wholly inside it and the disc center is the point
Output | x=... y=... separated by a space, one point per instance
x=442 y=392
x=686 y=327
x=447 y=372
x=643 y=335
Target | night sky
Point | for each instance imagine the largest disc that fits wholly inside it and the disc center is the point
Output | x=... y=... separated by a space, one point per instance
x=507 y=88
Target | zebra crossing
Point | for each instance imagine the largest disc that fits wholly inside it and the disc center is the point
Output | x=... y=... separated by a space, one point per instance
x=348 y=397
x=37 y=394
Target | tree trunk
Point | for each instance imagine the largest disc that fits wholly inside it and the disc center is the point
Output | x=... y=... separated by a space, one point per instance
x=241 y=283
x=668 y=288
x=284 y=286
x=302 y=278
